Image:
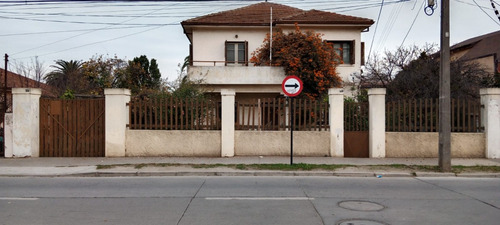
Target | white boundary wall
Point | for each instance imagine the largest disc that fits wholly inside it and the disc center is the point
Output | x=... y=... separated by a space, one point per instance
x=120 y=141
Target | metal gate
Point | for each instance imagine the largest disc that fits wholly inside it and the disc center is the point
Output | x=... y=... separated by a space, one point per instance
x=72 y=128
x=356 y=139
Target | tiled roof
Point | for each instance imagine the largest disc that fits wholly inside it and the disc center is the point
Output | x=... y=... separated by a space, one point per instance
x=15 y=80
x=322 y=17
x=480 y=46
x=259 y=15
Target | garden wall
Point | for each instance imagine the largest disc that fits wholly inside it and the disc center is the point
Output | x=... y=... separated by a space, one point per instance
x=426 y=145
x=176 y=143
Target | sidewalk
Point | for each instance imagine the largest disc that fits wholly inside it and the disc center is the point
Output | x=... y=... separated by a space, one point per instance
x=163 y=166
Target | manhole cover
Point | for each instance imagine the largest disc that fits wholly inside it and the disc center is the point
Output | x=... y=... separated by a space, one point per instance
x=361 y=206
x=360 y=222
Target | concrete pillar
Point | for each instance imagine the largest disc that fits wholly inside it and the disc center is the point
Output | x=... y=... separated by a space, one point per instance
x=336 y=100
x=490 y=99
x=116 y=121
x=26 y=122
x=7 y=138
x=227 y=126
x=376 y=117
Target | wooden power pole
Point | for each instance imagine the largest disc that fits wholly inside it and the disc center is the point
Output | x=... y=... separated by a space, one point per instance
x=444 y=91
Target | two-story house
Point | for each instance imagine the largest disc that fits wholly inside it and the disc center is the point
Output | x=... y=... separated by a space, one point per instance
x=484 y=49
x=221 y=45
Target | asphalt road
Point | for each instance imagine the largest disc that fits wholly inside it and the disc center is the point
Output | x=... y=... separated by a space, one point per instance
x=249 y=200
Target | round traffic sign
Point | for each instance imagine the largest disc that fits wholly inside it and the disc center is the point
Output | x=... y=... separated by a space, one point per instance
x=292 y=86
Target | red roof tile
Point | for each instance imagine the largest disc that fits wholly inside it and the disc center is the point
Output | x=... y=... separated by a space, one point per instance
x=15 y=80
x=259 y=15
x=322 y=17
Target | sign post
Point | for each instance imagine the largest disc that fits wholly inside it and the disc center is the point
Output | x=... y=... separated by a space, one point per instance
x=291 y=86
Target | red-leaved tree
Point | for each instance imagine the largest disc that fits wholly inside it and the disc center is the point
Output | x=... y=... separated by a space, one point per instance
x=303 y=54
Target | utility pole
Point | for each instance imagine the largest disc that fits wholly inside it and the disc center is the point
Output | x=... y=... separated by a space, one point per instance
x=444 y=91
x=5 y=85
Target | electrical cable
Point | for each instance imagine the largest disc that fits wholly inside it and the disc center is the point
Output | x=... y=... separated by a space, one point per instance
x=486 y=12
x=375 y=32
x=55 y=42
x=413 y=23
x=495 y=9
x=68 y=31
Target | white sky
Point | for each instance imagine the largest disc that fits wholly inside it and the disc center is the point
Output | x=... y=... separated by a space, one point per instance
x=130 y=29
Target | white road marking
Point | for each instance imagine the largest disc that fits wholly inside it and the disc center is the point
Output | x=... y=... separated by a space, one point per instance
x=18 y=199
x=261 y=198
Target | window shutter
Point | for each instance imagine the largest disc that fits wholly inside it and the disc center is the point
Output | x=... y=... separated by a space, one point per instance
x=225 y=53
x=191 y=54
x=352 y=51
x=362 y=53
x=246 y=53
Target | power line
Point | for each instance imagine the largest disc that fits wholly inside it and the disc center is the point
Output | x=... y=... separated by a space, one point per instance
x=486 y=12
x=93 y=43
x=70 y=31
x=375 y=32
x=82 y=22
x=495 y=9
x=86 y=32
x=411 y=26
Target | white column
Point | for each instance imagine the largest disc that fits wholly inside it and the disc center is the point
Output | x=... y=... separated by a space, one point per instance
x=116 y=121
x=26 y=122
x=227 y=126
x=336 y=100
x=490 y=99
x=376 y=98
x=7 y=138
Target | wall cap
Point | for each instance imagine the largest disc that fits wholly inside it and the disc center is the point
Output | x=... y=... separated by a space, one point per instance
x=376 y=91
x=227 y=92
x=116 y=91
x=489 y=91
x=335 y=91
x=26 y=91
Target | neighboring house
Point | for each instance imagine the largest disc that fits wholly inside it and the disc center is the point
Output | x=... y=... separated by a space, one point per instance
x=222 y=44
x=15 y=80
x=484 y=50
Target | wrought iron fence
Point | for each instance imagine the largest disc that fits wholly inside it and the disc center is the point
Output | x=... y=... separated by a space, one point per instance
x=274 y=114
x=174 y=114
x=422 y=115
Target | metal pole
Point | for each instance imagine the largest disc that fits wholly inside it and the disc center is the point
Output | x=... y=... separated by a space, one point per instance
x=5 y=84
x=291 y=130
x=444 y=91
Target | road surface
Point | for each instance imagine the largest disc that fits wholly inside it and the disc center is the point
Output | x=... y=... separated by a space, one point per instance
x=249 y=200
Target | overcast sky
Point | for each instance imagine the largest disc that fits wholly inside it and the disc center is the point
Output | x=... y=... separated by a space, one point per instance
x=80 y=30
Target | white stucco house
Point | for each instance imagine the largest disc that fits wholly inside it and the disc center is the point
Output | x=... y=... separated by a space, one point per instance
x=221 y=45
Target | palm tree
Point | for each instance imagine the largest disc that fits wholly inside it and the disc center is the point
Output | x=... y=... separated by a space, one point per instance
x=67 y=75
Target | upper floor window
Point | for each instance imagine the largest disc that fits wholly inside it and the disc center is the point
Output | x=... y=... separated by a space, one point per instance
x=236 y=53
x=345 y=50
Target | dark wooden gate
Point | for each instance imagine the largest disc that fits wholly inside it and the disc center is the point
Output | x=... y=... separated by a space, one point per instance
x=356 y=130
x=72 y=128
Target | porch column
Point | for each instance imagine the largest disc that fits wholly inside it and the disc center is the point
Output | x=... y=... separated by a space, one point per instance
x=490 y=99
x=227 y=126
x=336 y=100
x=26 y=122
x=116 y=112
x=376 y=124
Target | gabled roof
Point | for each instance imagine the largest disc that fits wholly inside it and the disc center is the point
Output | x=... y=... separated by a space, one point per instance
x=15 y=80
x=259 y=15
x=480 y=46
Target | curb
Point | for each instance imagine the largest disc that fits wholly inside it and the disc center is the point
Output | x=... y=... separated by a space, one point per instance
x=257 y=173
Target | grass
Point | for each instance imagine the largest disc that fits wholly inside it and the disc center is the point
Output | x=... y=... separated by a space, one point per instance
x=312 y=167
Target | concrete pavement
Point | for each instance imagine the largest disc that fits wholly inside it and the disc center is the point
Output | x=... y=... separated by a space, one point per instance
x=166 y=166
